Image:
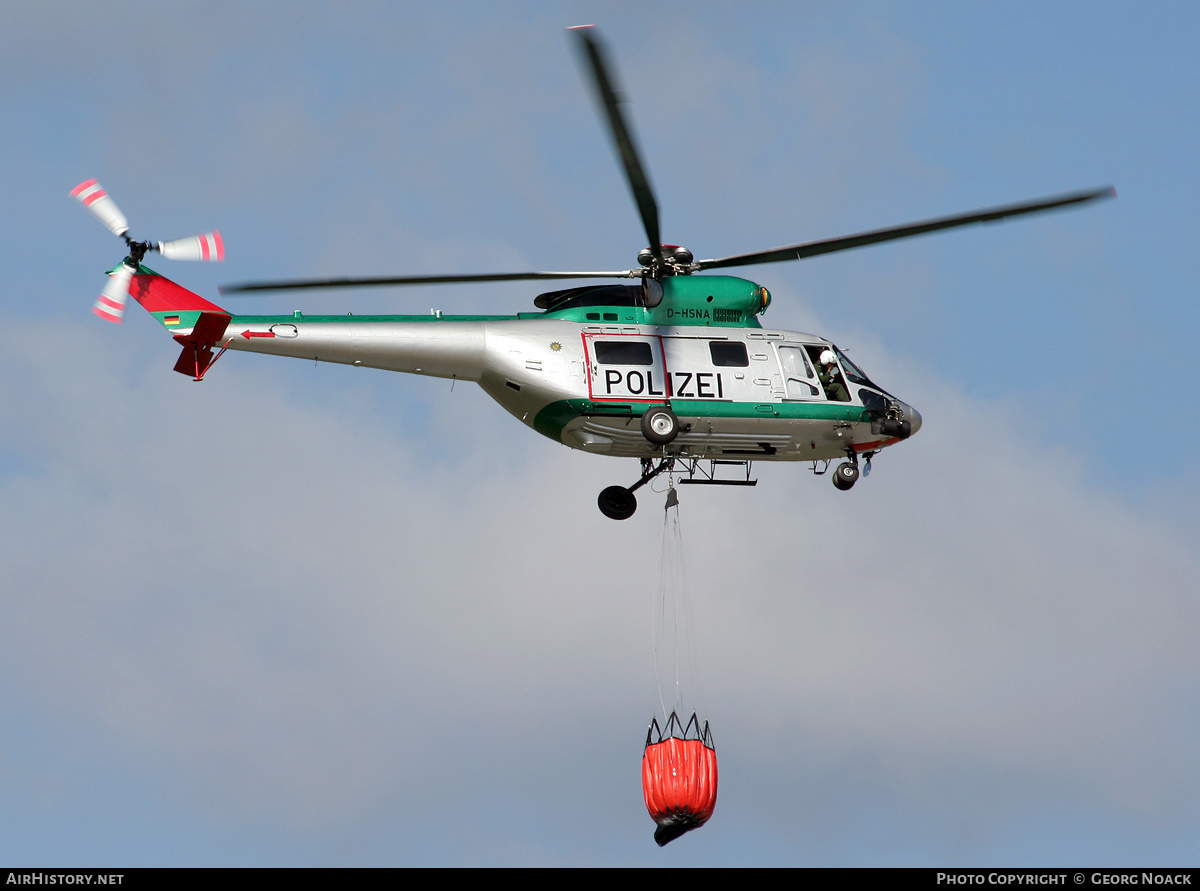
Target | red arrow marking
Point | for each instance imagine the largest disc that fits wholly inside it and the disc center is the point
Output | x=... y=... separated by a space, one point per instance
x=248 y=334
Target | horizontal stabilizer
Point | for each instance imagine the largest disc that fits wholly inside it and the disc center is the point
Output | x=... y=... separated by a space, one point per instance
x=198 y=343
x=209 y=329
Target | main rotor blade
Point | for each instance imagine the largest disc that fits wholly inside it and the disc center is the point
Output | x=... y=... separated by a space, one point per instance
x=315 y=283
x=827 y=246
x=642 y=193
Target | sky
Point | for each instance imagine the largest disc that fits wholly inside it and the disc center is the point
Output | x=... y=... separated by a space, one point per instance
x=325 y=616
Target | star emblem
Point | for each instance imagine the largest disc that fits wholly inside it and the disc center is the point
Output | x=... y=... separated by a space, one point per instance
x=556 y=346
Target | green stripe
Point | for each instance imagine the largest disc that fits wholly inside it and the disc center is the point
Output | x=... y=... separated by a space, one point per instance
x=187 y=318
x=298 y=317
x=805 y=411
x=551 y=420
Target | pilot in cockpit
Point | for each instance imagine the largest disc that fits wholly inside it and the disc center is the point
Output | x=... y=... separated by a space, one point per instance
x=831 y=378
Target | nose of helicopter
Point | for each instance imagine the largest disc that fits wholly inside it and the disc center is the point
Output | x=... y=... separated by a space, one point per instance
x=913 y=417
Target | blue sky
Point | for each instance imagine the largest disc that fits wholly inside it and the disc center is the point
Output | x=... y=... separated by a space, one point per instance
x=327 y=616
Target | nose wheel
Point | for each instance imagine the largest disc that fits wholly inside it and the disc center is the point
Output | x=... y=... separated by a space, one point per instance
x=845 y=476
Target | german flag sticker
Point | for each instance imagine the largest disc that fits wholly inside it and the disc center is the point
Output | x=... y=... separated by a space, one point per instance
x=170 y=320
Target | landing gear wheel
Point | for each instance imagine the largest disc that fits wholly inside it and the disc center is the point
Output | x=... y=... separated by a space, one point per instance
x=617 y=503
x=845 y=476
x=659 y=425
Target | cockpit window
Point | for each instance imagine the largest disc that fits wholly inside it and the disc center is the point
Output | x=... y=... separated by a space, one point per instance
x=852 y=372
x=623 y=352
x=728 y=355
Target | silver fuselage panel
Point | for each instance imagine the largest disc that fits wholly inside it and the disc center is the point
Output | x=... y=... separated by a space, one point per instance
x=587 y=385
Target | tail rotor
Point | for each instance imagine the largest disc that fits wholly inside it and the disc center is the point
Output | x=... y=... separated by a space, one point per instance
x=111 y=303
x=92 y=196
x=207 y=247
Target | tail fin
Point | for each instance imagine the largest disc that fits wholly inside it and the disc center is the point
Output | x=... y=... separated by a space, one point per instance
x=177 y=308
x=195 y=323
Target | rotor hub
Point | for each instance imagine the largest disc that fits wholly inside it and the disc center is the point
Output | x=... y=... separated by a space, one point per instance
x=672 y=260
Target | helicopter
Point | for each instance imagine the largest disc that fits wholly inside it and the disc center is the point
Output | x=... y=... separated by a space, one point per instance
x=674 y=369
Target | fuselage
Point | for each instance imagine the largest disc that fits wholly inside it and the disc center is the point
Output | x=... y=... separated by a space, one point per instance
x=583 y=372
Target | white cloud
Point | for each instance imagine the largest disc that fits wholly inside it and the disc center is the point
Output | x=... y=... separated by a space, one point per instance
x=283 y=607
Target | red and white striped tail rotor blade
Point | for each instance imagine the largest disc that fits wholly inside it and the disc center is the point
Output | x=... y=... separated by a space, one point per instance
x=110 y=304
x=94 y=198
x=195 y=247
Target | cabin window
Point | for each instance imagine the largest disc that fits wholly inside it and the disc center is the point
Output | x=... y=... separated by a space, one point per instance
x=797 y=372
x=726 y=354
x=795 y=363
x=623 y=352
